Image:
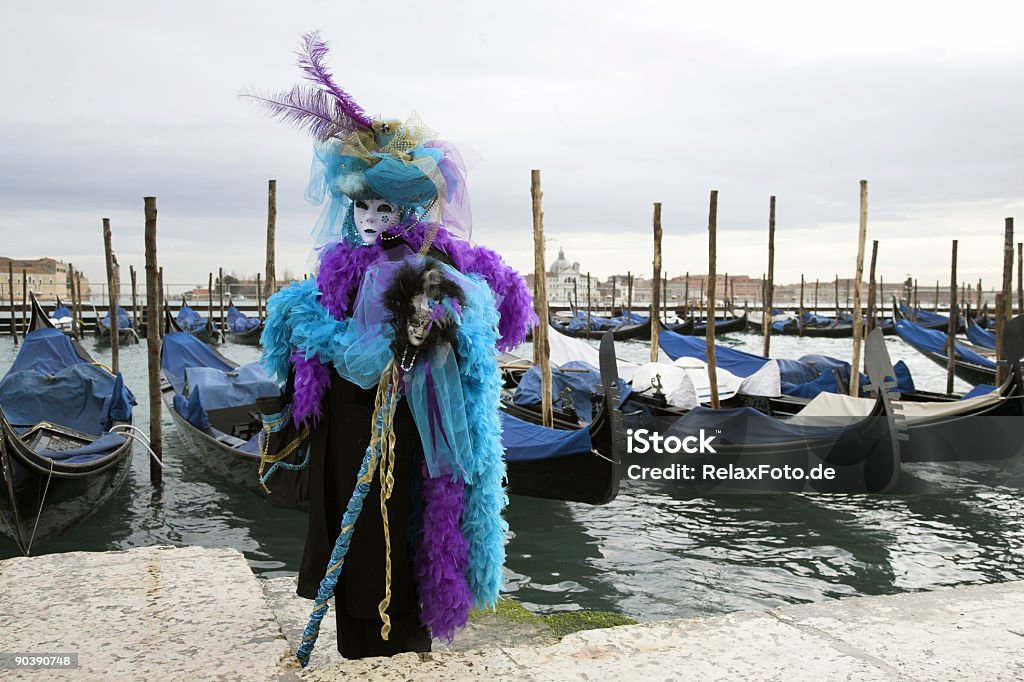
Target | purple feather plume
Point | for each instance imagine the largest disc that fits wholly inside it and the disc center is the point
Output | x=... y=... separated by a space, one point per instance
x=314 y=111
x=442 y=558
x=311 y=62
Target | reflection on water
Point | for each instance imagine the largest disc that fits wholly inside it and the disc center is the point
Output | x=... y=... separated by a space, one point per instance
x=653 y=553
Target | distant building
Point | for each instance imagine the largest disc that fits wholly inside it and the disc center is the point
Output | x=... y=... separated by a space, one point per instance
x=47 y=278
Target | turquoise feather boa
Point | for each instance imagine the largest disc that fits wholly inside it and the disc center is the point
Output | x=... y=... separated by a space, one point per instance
x=298 y=322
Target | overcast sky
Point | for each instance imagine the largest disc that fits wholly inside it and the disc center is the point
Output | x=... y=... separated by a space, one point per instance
x=619 y=104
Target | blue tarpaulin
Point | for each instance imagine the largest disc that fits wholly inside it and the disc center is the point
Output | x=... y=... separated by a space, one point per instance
x=582 y=383
x=925 y=317
x=61 y=312
x=240 y=386
x=123 y=321
x=180 y=350
x=50 y=381
x=806 y=377
x=981 y=337
x=525 y=442
x=46 y=350
x=189 y=320
x=98 y=449
x=934 y=341
x=239 y=322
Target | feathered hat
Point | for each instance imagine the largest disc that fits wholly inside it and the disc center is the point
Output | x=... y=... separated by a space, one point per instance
x=358 y=157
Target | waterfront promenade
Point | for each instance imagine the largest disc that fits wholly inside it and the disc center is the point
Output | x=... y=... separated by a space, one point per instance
x=194 y=613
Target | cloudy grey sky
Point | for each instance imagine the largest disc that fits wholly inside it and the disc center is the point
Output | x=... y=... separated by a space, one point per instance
x=619 y=105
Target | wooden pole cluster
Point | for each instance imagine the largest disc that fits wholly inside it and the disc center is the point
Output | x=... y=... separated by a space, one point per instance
x=541 y=350
x=954 y=318
x=769 y=290
x=153 y=342
x=655 y=289
x=858 y=286
x=710 y=338
x=112 y=291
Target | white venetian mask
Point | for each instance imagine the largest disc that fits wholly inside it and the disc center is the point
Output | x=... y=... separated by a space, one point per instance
x=373 y=216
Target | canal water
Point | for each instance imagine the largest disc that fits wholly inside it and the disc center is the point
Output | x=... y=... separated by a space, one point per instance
x=654 y=552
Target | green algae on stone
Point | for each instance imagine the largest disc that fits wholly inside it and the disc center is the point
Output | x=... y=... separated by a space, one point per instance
x=559 y=624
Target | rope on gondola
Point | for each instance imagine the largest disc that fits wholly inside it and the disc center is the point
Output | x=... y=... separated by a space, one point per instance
x=42 y=501
x=381 y=447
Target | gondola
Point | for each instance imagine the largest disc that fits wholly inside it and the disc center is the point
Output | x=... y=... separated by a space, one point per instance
x=818 y=326
x=58 y=465
x=969 y=365
x=640 y=331
x=864 y=452
x=980 y=336
x=62 y=318
x=225 y=437
x=242 y=328
x=125 y=328
x=188 y=320
x=736 y=324
x=989 y=426
x=926 y=319
x=572 y=461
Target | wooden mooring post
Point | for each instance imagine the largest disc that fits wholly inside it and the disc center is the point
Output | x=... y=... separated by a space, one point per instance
x=858 y=286
x=655 y=320
x=541 y=350
x=954 y=318
x=710 y=337
x=153 y=341
x=769 y=287
x=112 y=295
x=270 y=275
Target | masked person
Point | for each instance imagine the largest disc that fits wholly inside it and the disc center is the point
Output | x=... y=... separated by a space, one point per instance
x=391 y=350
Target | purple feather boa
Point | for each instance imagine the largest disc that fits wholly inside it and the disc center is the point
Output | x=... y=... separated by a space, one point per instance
x=312 y=379
x=442 y=558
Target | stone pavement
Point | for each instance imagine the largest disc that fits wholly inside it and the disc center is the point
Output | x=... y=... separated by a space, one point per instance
x=193 y=613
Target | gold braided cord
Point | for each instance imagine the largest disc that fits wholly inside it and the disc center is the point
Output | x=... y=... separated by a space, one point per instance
x=387 y=486
x=267 y=458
